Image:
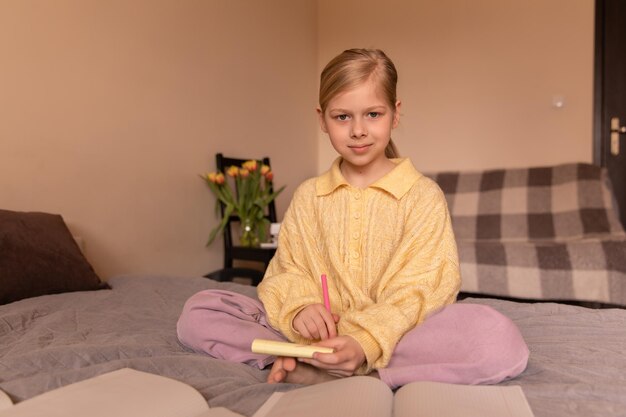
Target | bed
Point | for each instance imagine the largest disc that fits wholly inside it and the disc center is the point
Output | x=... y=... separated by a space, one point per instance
x=577 y=363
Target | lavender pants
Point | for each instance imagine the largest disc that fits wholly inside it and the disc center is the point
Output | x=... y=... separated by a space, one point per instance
x=462 y=343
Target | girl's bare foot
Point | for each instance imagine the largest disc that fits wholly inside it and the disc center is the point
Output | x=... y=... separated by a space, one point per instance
x=287 y=369
x=277 y=373
x=303 y=373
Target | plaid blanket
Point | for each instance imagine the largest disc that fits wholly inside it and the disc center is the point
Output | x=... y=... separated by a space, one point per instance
x=538 y=233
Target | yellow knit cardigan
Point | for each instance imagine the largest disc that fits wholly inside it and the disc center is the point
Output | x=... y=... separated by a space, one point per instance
x=388 y=251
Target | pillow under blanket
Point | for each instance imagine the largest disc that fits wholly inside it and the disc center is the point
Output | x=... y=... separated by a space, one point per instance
x=39 y=256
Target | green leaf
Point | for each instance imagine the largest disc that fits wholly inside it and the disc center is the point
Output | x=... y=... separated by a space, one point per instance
x=228 y=210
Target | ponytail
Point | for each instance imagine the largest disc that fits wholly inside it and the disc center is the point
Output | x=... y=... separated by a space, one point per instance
x=391 y=151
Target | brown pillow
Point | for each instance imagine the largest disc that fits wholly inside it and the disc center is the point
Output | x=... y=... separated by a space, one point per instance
x=38 y=256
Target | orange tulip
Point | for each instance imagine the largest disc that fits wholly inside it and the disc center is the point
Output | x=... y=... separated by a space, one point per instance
x=255 y=185
x=250 y=165
x=232 y=171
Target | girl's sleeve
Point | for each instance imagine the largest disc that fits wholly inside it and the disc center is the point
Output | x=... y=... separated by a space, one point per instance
x=288 y=285
x=422 y=278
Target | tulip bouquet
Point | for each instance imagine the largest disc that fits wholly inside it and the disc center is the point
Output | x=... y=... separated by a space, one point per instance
x=248 y=200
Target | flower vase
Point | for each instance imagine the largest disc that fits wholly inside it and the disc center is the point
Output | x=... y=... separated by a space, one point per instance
x=249 y=234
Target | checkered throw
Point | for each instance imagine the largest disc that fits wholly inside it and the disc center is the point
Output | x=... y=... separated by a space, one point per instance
x=538 y=233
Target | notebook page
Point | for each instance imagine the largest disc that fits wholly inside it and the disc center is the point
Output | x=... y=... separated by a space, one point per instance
x=124 y=392
x=361 y=396
x=432 y=399
x=218 y=412
x=5 y=401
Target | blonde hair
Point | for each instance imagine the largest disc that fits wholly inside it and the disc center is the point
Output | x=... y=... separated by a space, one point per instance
x=353 y=67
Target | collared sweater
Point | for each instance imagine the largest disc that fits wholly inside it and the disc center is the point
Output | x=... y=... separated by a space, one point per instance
x=388 y=251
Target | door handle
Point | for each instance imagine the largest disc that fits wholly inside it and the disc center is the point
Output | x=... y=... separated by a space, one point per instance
x=616 y=130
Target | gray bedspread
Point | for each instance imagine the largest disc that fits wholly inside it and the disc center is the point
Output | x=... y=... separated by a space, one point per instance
x=577 y=365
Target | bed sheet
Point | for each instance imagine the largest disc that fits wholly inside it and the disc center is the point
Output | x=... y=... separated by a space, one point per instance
x=576 y=368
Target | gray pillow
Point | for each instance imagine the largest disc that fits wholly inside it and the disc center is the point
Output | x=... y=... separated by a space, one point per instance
x=39 y=256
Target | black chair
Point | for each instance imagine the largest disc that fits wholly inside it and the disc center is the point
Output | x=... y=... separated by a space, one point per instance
x=232 y=252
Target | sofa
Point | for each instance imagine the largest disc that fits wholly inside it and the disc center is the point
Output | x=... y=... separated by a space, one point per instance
x=544 y=233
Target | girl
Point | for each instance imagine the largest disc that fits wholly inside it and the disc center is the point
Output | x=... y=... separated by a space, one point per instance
x=382 y=234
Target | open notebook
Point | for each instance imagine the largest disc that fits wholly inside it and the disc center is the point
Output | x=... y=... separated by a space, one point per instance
x=131 y=393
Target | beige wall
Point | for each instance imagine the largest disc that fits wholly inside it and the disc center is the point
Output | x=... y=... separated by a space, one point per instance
x=110 y=109
x=477 y=78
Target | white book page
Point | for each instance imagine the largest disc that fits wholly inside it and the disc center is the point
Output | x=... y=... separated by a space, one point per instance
x=361 y=396
x=218 y=412
x=432 y=399
x=5 y=401
x=120 y=393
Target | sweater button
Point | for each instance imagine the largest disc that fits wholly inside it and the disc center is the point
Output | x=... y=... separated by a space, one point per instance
x=357 y=195
x=355 y=255
x=357 y=215
x=355 y=235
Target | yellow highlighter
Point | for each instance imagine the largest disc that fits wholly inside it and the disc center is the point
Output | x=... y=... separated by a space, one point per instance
x=272 y=347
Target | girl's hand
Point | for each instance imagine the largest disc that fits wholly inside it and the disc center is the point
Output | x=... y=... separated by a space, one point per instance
x=344 y=361
x=315 y=322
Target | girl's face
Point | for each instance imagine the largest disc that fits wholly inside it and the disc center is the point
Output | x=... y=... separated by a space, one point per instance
x=359 y=123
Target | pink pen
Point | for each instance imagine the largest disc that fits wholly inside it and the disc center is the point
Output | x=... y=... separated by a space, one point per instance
x=325 y=292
